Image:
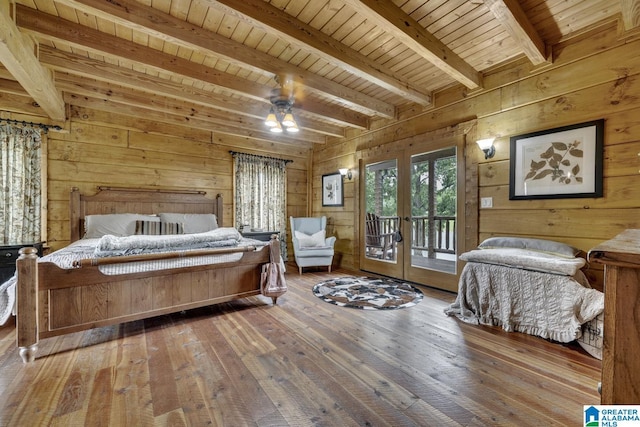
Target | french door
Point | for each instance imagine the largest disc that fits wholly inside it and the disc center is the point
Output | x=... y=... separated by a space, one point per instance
x=412 y=213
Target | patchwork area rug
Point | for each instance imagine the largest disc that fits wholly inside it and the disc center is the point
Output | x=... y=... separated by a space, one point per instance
x=368 y=293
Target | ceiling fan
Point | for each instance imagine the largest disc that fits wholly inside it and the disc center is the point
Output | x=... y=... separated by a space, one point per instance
x=280 y=117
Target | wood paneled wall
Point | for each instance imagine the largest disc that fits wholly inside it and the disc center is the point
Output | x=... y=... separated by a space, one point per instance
x=596 y=75
x=106 y=149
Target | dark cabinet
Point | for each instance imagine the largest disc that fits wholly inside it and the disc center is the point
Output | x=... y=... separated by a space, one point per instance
x=8 y=256
x=264 y=236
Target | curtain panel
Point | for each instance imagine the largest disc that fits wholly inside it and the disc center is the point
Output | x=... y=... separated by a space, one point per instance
x=261 y=194
x=20 y=164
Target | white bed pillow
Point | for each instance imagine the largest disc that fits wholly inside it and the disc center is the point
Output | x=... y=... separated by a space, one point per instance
x=193 y=223
x=315 y=240
x=96 y=226
x=540 y=245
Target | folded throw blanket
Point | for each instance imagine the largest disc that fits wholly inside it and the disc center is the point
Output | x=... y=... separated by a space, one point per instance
x=109 y=245
x=525 y=259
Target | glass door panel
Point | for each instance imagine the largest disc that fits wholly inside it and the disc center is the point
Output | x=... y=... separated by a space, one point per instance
x=381 y=219
x=410 y=222
x=433 y=183
x=434 y=221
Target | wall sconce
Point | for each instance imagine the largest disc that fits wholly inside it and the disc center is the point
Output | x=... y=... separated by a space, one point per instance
x=346 y=172
x=486 y=145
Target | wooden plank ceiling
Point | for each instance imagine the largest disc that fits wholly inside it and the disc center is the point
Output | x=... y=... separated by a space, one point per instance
x=216 y=64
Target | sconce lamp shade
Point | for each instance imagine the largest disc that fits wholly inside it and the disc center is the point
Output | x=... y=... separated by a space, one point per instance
x=346 y=172
x=486 y=145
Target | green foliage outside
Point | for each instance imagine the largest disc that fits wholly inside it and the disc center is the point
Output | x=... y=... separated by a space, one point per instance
x=445 y=181
x=386 y=202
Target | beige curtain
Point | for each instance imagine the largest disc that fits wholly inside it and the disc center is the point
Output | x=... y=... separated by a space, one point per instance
x=20 y=163
x=261 y=194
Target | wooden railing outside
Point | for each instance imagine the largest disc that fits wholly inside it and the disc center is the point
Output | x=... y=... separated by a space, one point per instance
x=434 y=236
x=388 y=224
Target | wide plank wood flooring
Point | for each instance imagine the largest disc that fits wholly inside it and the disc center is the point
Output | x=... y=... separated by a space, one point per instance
x=303 y=362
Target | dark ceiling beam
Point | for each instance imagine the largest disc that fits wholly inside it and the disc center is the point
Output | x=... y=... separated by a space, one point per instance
x=134 y=15
x=90 y=68
x=18 y=55
x=272 y=20
x=517 y=24
x=82 y=37
x=630 y=10
x=413 y=35
x=110 y=92
x=182 y=120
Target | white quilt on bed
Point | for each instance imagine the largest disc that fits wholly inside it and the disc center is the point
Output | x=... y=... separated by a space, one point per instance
x=551 y=306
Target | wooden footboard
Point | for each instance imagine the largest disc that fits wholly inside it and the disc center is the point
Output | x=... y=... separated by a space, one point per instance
x=52 y=301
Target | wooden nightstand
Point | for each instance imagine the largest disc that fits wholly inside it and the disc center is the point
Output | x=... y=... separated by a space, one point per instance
x=9 y=255
x=621 y=340
x=264 y=236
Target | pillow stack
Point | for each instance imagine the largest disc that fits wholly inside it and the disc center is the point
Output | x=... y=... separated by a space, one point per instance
x=128 y=224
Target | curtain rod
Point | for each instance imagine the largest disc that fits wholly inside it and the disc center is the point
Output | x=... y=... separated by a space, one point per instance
x=41 y=126
x=286 y=161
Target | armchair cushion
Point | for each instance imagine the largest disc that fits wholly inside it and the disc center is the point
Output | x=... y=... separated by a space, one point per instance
x=315 y=240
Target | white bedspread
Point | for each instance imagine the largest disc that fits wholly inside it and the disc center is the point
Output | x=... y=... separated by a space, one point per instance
x=548 y=305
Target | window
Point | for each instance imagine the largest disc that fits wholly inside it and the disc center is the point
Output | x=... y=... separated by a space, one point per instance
x=20 y=171
x=261 y=194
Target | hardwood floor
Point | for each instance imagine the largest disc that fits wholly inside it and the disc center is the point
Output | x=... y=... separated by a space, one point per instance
x=303 y=362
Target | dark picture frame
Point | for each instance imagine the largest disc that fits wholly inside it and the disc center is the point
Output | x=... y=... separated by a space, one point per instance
x=563 y=162
x=332 y=189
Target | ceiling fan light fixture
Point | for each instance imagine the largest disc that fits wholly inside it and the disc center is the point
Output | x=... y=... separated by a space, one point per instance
x=288 y=121
x=280 y=117
x=277 y=128
x=271 y=119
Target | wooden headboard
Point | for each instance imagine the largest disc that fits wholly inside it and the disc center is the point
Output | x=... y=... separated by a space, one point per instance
x=110 y=200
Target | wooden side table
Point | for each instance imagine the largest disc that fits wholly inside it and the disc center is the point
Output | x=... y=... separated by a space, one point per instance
x=264 y=236
x=621 y=340
x=9 y=255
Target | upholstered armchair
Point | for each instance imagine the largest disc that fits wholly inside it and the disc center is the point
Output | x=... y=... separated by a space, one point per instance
x=311 y=247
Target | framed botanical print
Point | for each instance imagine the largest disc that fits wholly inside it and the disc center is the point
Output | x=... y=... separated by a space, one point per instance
x=564 y=162
x=332 y=190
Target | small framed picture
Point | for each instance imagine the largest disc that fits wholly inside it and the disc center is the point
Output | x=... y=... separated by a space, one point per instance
x=564 y=162
x=332 y=194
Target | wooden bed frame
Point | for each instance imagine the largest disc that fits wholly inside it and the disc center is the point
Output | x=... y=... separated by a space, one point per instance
x=52 y=301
